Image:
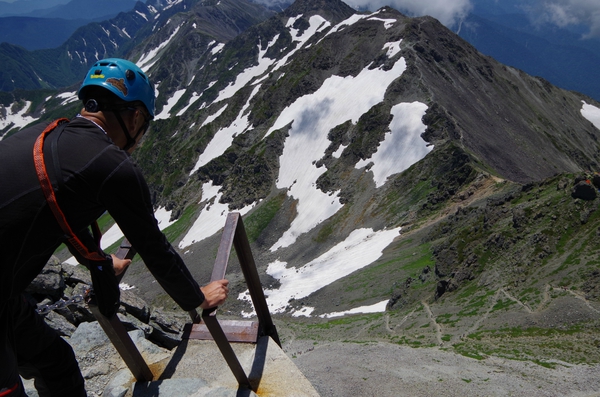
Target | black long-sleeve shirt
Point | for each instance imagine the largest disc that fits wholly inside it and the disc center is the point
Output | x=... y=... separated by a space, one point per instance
x=98 y=177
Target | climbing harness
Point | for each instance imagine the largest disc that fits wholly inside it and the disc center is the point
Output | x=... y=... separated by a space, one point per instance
x=48 y=190
x=104 y=280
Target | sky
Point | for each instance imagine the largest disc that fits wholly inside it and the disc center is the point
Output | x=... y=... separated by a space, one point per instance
x=559 y=12
x=566 y=13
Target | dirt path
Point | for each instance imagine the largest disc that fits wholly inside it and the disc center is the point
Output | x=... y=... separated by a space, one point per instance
x=580 y=297
x=438 y=328
x=517 y=301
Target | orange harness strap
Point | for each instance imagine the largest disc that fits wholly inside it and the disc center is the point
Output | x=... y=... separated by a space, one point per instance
x=48 y=190
x=6 y=392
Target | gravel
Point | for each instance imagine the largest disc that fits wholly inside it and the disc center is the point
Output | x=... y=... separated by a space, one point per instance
x=384 y=369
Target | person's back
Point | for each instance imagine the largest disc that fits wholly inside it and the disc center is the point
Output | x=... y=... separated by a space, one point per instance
x=28 y=229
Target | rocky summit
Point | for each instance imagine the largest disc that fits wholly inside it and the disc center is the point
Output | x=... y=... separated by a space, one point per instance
x=396 y=185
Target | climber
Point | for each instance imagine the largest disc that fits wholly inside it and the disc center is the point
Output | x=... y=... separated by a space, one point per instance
x=56 y=181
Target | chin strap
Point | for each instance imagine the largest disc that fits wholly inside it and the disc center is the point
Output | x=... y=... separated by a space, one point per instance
x=130 y=140
x=93 y=106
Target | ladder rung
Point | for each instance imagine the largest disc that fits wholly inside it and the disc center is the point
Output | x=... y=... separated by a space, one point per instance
x=235 y=330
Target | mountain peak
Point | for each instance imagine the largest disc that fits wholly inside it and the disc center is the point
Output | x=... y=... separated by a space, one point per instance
x=333 y=10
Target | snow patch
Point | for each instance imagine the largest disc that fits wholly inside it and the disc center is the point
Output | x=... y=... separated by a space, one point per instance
x=212 y=218
x=193 y=99
x=115 y=234
x=376 y=308
x=312 y=117
x=68 y=97
x=166 y=111
x=15 y=119
x=248 y=74
x=392 y=48
x=592 y=113
x=387 y=23
x=338 y=153
x=361 y=248
x=224 y=137
x=148 y=59
x=402 y=145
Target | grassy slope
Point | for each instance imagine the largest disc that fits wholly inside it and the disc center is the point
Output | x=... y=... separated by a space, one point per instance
x=530 y=290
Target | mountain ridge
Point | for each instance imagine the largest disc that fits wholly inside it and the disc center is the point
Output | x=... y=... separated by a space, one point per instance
x=64 y=65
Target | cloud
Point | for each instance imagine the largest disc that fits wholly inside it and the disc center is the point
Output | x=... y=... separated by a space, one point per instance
x=564 y=13
x=448 y=12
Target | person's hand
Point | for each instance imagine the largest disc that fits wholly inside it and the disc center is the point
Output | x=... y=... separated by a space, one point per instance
x=215 y=293
x=120 y=264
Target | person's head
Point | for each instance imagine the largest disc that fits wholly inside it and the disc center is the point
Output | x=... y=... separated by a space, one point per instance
x=118 y=93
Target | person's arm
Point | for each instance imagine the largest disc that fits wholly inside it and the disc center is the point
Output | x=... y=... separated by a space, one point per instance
x=126 y=197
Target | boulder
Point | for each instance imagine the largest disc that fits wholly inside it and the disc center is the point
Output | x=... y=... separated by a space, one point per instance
x=584 y=190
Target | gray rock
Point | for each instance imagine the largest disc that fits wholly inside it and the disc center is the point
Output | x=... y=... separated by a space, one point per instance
x=88 y=336
x=168 y=328
x=173 y=388
x=118 y=391
x=77 y=274
x=135 y=306
x=131 y=323
x=119 y=385
x=60 y=324
x=144 y=345
x=49 y=281
x=102 y=368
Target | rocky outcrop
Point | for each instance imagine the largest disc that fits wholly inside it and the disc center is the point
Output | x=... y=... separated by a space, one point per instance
x=59 y=292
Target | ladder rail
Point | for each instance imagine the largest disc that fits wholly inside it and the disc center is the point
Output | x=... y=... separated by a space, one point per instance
x=234 y=235
x=116 y=332
x=244 y=253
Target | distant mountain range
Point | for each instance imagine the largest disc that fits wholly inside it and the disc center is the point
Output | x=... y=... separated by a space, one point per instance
x=50 y=27
x=64 y=65
x=65 y=9
x=26 y=7
x=499 y=29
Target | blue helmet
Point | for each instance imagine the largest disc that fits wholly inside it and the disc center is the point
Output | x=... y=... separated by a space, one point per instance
x=124 y=79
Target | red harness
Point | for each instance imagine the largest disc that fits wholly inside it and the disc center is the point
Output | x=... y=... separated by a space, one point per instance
x=48 y=190
x=4 y=393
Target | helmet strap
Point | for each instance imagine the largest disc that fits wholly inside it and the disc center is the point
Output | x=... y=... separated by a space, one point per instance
x=130 y=141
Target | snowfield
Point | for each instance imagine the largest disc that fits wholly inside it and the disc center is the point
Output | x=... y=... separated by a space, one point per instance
x=361 y=248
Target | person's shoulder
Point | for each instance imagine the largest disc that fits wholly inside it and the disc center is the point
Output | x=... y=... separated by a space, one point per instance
x=82 y=122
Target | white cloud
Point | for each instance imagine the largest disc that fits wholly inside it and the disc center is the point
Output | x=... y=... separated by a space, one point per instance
x=565 y=13
x=447 y=12
x=562 y=13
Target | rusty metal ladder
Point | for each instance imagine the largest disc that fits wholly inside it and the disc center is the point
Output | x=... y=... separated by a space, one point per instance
x=205 y=326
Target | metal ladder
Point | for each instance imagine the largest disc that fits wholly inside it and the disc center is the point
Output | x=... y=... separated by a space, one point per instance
x=205 y=326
